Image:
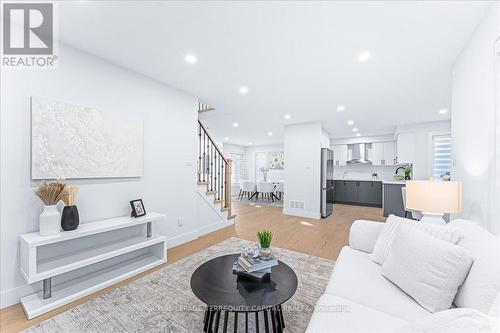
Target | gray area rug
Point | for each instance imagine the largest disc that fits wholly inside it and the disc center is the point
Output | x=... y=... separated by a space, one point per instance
x=163 y=301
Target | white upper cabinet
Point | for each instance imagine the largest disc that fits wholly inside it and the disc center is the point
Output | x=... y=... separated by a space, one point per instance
x=382 y=153
x=389 y=156
x=376 y=154
x=405 y=148
x=340 y=154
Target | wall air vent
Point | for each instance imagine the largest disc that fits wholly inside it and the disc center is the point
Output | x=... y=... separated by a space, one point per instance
x=296 y=204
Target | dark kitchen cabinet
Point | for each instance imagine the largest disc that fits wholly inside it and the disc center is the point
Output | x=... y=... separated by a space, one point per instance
x=370 y=193
x=351 y=191
x=339 y=191
x=358 y=192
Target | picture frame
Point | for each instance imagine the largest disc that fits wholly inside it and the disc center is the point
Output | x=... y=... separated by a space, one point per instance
x=138 y=209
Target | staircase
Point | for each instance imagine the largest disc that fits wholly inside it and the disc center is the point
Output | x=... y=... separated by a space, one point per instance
x=214 y=172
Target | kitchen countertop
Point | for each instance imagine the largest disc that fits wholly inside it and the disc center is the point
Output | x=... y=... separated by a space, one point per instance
x=387 y=181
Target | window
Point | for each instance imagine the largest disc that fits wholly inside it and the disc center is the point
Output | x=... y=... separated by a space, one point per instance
x=441 y=155
x=238 y=171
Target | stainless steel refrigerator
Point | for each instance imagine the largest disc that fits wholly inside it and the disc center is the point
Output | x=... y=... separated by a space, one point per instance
x=327 y=183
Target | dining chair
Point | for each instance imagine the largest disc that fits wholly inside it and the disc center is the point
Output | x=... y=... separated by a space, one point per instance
x=247 y=188
x=415 y=215
x=278 y=188
x=266 y=189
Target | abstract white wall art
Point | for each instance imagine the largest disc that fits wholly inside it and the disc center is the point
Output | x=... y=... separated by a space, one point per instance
x=72 y=141
x=276 y=160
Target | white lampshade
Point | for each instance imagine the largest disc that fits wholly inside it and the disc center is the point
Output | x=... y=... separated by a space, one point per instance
x=434 y=196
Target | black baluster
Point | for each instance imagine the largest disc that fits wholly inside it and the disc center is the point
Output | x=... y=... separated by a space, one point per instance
x=235 y=322
x=256 y=322
x=204 y=154
x=211 y=166
x=207 y=161
x=246 y=322
x=199 y=152
x=222 y=185
x=215 y=173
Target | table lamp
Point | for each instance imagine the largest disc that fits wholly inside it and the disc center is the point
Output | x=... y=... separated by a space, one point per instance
x=434 y=198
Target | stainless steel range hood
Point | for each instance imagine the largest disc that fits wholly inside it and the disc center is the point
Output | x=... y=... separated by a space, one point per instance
x=359 y=153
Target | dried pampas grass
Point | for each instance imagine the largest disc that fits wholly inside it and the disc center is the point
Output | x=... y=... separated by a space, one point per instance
x=70 y=199
x=52 y=193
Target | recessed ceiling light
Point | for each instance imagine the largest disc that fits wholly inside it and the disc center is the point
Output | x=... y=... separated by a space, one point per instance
x=287 y=116
x=358 y=134
x=355 y=129
x=350 y=122
x=243 y=90
x=270 y=133
x=340 y=108
x=226 y=138
x=443 y=111
x=191 y=59
x=236 y=124
x=249 y=143
x=364 y=56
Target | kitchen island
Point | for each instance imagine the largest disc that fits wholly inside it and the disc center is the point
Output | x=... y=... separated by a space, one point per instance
x=386 y=194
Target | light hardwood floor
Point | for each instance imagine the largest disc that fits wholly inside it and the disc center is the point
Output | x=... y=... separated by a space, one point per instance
x=324 y=238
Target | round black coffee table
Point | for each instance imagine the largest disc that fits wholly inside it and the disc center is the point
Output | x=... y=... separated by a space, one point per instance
x=222 y=291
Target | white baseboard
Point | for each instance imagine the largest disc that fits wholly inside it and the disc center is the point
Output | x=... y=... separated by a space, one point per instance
x=214 y=226
x=182 y=238
x=12 y=296
x=302 y=213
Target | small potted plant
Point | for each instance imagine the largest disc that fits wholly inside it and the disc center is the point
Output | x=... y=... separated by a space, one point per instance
x=265 y=237
x=407 y=171
x=50 y=218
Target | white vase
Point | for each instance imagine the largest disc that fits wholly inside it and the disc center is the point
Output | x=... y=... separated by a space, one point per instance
x=50 y=221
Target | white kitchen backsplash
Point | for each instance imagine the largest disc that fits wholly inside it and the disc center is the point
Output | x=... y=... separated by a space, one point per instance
x=384 y=172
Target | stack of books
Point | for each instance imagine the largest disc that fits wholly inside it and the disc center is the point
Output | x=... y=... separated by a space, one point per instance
x=256 y=268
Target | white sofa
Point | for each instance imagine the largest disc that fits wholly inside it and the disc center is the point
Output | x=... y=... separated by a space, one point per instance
x=359 y=299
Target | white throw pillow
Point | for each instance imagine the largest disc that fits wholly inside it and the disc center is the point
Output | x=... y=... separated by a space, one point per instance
x=426 y=268
x=483 y=282
x=386 y=236
x=460 y=320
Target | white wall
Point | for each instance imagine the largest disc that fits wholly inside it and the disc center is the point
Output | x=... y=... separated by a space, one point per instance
x=384 y=172
x=422 y=163
x=169 y=182
x=274 y=174
x=303 y=168
x=473 y=121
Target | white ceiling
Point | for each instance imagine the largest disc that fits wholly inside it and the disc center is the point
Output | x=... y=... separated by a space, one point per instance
x=295 y=58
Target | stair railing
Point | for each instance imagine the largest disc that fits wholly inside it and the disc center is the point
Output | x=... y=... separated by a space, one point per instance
x=214 y=168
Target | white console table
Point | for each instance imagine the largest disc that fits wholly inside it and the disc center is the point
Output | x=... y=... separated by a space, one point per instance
x=59 y=258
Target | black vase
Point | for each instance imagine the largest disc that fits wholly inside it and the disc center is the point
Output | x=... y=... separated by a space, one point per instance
x=70 y=218
x=408 y=177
